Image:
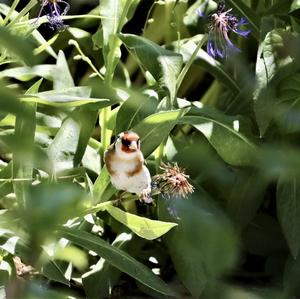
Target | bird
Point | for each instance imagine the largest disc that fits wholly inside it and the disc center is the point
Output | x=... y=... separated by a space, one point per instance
x=125 y=164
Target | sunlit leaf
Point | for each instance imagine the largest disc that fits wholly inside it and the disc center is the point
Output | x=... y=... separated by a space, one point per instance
x=143 y=227
x=117 y=258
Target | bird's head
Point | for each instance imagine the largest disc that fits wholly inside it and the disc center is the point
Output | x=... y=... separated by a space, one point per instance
x=127 y=144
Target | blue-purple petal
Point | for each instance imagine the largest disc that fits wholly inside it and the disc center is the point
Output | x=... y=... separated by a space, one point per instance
x=200 y=13
x=244 y=33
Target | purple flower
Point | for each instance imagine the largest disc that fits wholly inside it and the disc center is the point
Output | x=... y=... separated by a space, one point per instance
x=221 y=23
x=54 y=9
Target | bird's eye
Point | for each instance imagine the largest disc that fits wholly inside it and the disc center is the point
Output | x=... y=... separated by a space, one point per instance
x=126 y=142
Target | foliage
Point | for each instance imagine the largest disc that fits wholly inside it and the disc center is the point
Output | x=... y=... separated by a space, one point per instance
x=233 y=124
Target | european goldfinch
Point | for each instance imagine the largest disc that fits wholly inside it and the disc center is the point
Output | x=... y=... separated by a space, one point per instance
x=126 y=166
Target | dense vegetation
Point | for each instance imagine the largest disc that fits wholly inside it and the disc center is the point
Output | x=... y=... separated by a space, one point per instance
x=213 y=90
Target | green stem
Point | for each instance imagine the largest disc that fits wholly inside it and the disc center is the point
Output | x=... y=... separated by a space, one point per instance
x=23 y=12
x=190 y=62
x=85 y=58
x=10 y=12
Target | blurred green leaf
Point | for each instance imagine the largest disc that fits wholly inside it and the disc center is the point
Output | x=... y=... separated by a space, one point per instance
x=15 y=45
x=203 y=246
x=117 y=258
x=288 y=108
x=23 y=157
x=49 y=205
x=289 y=212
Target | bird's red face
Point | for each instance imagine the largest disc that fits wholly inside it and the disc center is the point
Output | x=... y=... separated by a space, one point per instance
x=130 y=142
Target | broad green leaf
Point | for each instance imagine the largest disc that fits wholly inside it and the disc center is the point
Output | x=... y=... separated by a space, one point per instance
x=156 y=127
x=53 y=272
x=290 y=278
x=143 y=227
x=101 y=186
x=288 y=190
x=203 y=246
x=242 y=209
x=6 y=186
x=117 y=258
x=268 y=63
x=15 y=45
x=24 y=132
x=99 y=281
x=134 y=110
x=224 y=134
x=9 y=103
x=164 y=65
x=288 y=105
x=68 y=97
x=62 y=77
x=49 y=205
x=114 y=14
x=295 y=5
x=27 y=73
x=70 y=142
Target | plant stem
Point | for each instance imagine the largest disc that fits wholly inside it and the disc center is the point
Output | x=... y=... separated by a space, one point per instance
x=12 y=8
x=190 y=62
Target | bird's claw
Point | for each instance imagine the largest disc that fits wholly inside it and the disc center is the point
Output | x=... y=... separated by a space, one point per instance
x=145 y=196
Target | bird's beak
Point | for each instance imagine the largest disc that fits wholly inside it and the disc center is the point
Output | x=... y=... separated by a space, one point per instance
x=133 y=145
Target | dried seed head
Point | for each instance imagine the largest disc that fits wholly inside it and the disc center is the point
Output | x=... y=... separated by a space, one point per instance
x=173 y=182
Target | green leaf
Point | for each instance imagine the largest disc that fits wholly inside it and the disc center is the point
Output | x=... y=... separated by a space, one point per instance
x=288 y=105
x=143 y=227
x=102 y=187
x=290 y=278
x=252 y=185
x=114 y=14
x=204 y=254
x=288 y=190
x=99 y=281
x=27 y=73
x=17 y=46
x=62 y=77
x=49 y=205
x=156 y=127
x=295 y=5
x=24 y=133
x=53 y=272
x=134 y=110
x=164 y=65
x=268 y=63
x=68 y=97
x=70 y=142
x=224 y=134
x=117 y=258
